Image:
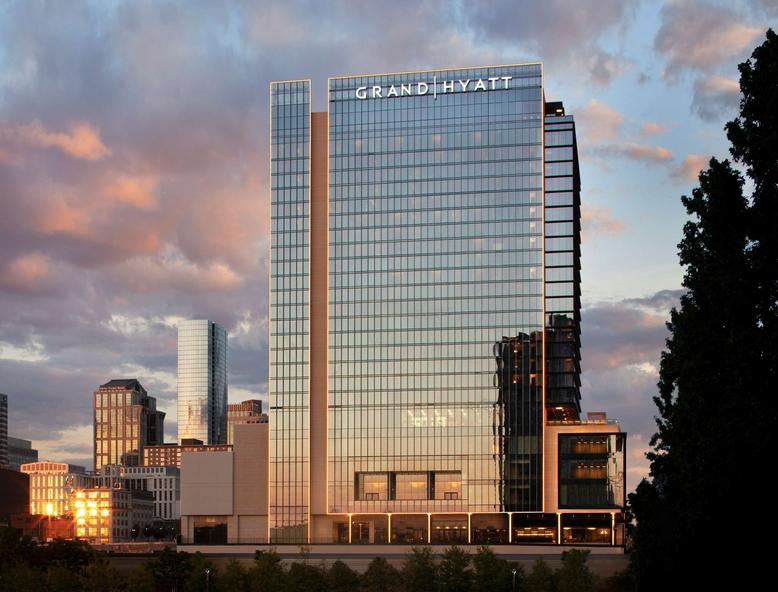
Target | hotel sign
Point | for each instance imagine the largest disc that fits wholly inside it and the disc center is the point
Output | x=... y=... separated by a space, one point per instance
x=434 y=88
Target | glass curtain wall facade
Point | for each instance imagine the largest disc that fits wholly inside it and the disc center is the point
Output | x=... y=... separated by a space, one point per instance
x=435 y=255
x=202 y=381
x=289 y=388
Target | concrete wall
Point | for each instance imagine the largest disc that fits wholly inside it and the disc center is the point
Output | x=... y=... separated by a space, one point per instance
x=319 y=313
x=206 y=483
x=250 y=454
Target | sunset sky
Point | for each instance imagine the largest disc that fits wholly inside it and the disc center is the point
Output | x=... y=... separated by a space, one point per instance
x=134 y=174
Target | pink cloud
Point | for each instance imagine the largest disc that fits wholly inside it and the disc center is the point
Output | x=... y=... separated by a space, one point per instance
x=690 y=168
x=26 y=271
x=135 y=191
x=82 y=141
x=600 y=120
x=650 y=128
x=599 y=220
x=697 y=35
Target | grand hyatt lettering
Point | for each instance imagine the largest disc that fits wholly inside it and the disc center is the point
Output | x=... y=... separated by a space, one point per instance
x=417 y=89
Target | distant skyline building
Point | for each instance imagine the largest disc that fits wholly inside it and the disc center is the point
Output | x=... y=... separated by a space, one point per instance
x=3 y=430
x=249 y=411
x=162 y=482
x=126 y=420
x=169 y=455
x=202 y=381
x=51 y=485
x=424 y=363
x=20 y=451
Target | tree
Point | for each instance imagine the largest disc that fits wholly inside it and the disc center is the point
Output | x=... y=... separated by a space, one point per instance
x=171 y=569
x=267 y=575
x=101 y=577
x=454 y=573
x=382 y=577
x=74 y=556
x=14 y=548
x=574 y=575
x=202 y=575
x=303 y=577
x=540 y=578
x=492 y=574
x=341 y=578
x=234 y=577
x=716 y=401
x=419 y=570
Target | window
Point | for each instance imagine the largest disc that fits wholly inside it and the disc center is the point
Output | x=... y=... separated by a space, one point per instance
x=372 y=486
x=411 y=486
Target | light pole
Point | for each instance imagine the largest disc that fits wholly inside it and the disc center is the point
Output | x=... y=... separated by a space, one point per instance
x=513 y=580
x=207 y=577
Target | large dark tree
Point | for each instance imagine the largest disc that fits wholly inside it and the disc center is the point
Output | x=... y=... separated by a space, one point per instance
x=717 y=388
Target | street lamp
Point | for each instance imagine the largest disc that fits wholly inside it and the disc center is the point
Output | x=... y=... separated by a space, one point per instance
x=513 y=580
x=207 y=577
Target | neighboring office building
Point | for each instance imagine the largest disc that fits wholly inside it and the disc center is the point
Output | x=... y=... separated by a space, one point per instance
x=169 y=455
x=51 y=486
x=425 y=311
x=3 y=430
x=20 y=451
x=245 y=412
x=224 y=493
x=125 y=421
x=108 y=514
x=162 y=482
x=14 y=495
x=202 y=381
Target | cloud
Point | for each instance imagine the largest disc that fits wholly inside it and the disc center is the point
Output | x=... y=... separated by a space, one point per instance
x=700 y=36
x=621 y=346
x=599 y=121
x=83 y=141
x=598 y=221
x=690 y=168
x=638 y=152
x=25 y=273
x=651 y=128
x=715 y=98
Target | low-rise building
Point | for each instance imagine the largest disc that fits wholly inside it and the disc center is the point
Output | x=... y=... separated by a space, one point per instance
x=162 y=482
x=224 y=493
x=111 y=515
x=51 y=485
x=249 y=411
x=169 y=455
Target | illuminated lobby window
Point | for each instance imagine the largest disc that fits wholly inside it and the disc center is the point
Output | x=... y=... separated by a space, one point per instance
x=594 y=529
x=448 y=486
x=411 y=486
x=372 y=486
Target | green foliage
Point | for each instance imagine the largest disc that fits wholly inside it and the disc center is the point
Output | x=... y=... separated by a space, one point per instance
x=540 y=578
x=74 y=556
x=380 y=576
x=234 y=577
x=21 y=577
x=101 y=577
x=303 y=577
x=492 y=574
x=341 y=578
x=454 y=573
x=716 y=402
x=419 y=570
x=574 y=575
x=60 y=578
x=267 y=575
x=202 y=575
x=141 y=580
x=171 y=569
x=14 y=547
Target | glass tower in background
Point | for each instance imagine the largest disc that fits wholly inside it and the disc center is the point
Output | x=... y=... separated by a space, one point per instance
x=424 y=308
x=202 y=381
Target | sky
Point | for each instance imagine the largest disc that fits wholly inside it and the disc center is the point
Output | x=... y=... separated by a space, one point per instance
x=134 y=174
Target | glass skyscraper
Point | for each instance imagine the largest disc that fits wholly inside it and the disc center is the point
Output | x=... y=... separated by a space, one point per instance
x=202 y=381
x=425 y=306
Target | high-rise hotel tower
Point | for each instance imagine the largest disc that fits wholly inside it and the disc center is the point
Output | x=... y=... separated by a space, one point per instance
x=425 y=317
